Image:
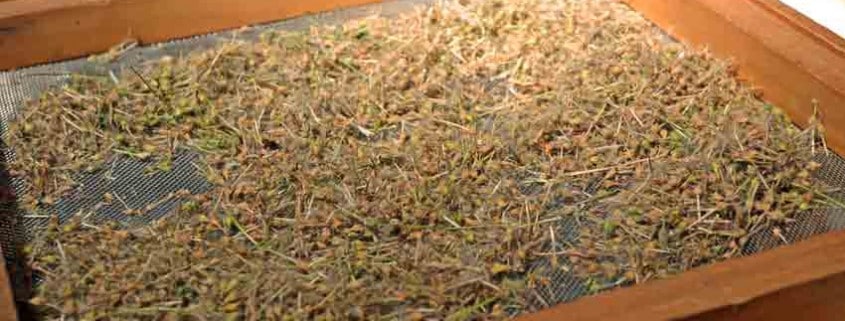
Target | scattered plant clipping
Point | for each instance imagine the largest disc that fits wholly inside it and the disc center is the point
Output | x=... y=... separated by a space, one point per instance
x=411 y=168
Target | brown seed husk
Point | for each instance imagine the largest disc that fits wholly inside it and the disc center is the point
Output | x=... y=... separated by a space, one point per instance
x=412 y=168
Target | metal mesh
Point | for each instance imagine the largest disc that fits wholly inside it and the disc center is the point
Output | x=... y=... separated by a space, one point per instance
x=131 y=187
x=564 y=286
x=125 y=178
x=557 y=284
x=807 y=224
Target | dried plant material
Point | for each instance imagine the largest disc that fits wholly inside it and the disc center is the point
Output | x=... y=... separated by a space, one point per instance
x=412 y=168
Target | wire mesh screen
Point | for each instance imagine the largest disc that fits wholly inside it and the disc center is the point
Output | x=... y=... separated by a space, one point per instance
x=125 y=178
x=564 y=286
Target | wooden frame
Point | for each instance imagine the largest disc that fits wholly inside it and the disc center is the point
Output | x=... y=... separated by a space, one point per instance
x=41 y=31
x=7 y=301
x=793 y=60
x=805 y=281
x=798 y=65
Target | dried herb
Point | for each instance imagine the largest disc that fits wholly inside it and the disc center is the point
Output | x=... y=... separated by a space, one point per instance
x=413 y=168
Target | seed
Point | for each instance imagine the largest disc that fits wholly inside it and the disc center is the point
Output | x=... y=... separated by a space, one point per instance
x=416 y=167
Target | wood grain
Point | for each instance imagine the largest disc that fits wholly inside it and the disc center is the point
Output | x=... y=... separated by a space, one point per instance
x=40 y=31
x=800 y=67
x=7 y=299
x=793 y=60
x=805 y=281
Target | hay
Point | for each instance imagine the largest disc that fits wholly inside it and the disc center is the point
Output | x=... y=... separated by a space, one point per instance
x=411 y=168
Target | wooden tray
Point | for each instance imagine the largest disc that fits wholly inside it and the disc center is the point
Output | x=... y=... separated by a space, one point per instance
x=798 y=65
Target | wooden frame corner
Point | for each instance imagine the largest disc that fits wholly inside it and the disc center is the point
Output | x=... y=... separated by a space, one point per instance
x=42 y=31
x=799 y=66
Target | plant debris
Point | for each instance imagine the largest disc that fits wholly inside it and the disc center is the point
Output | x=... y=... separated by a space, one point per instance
x=411 y=168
